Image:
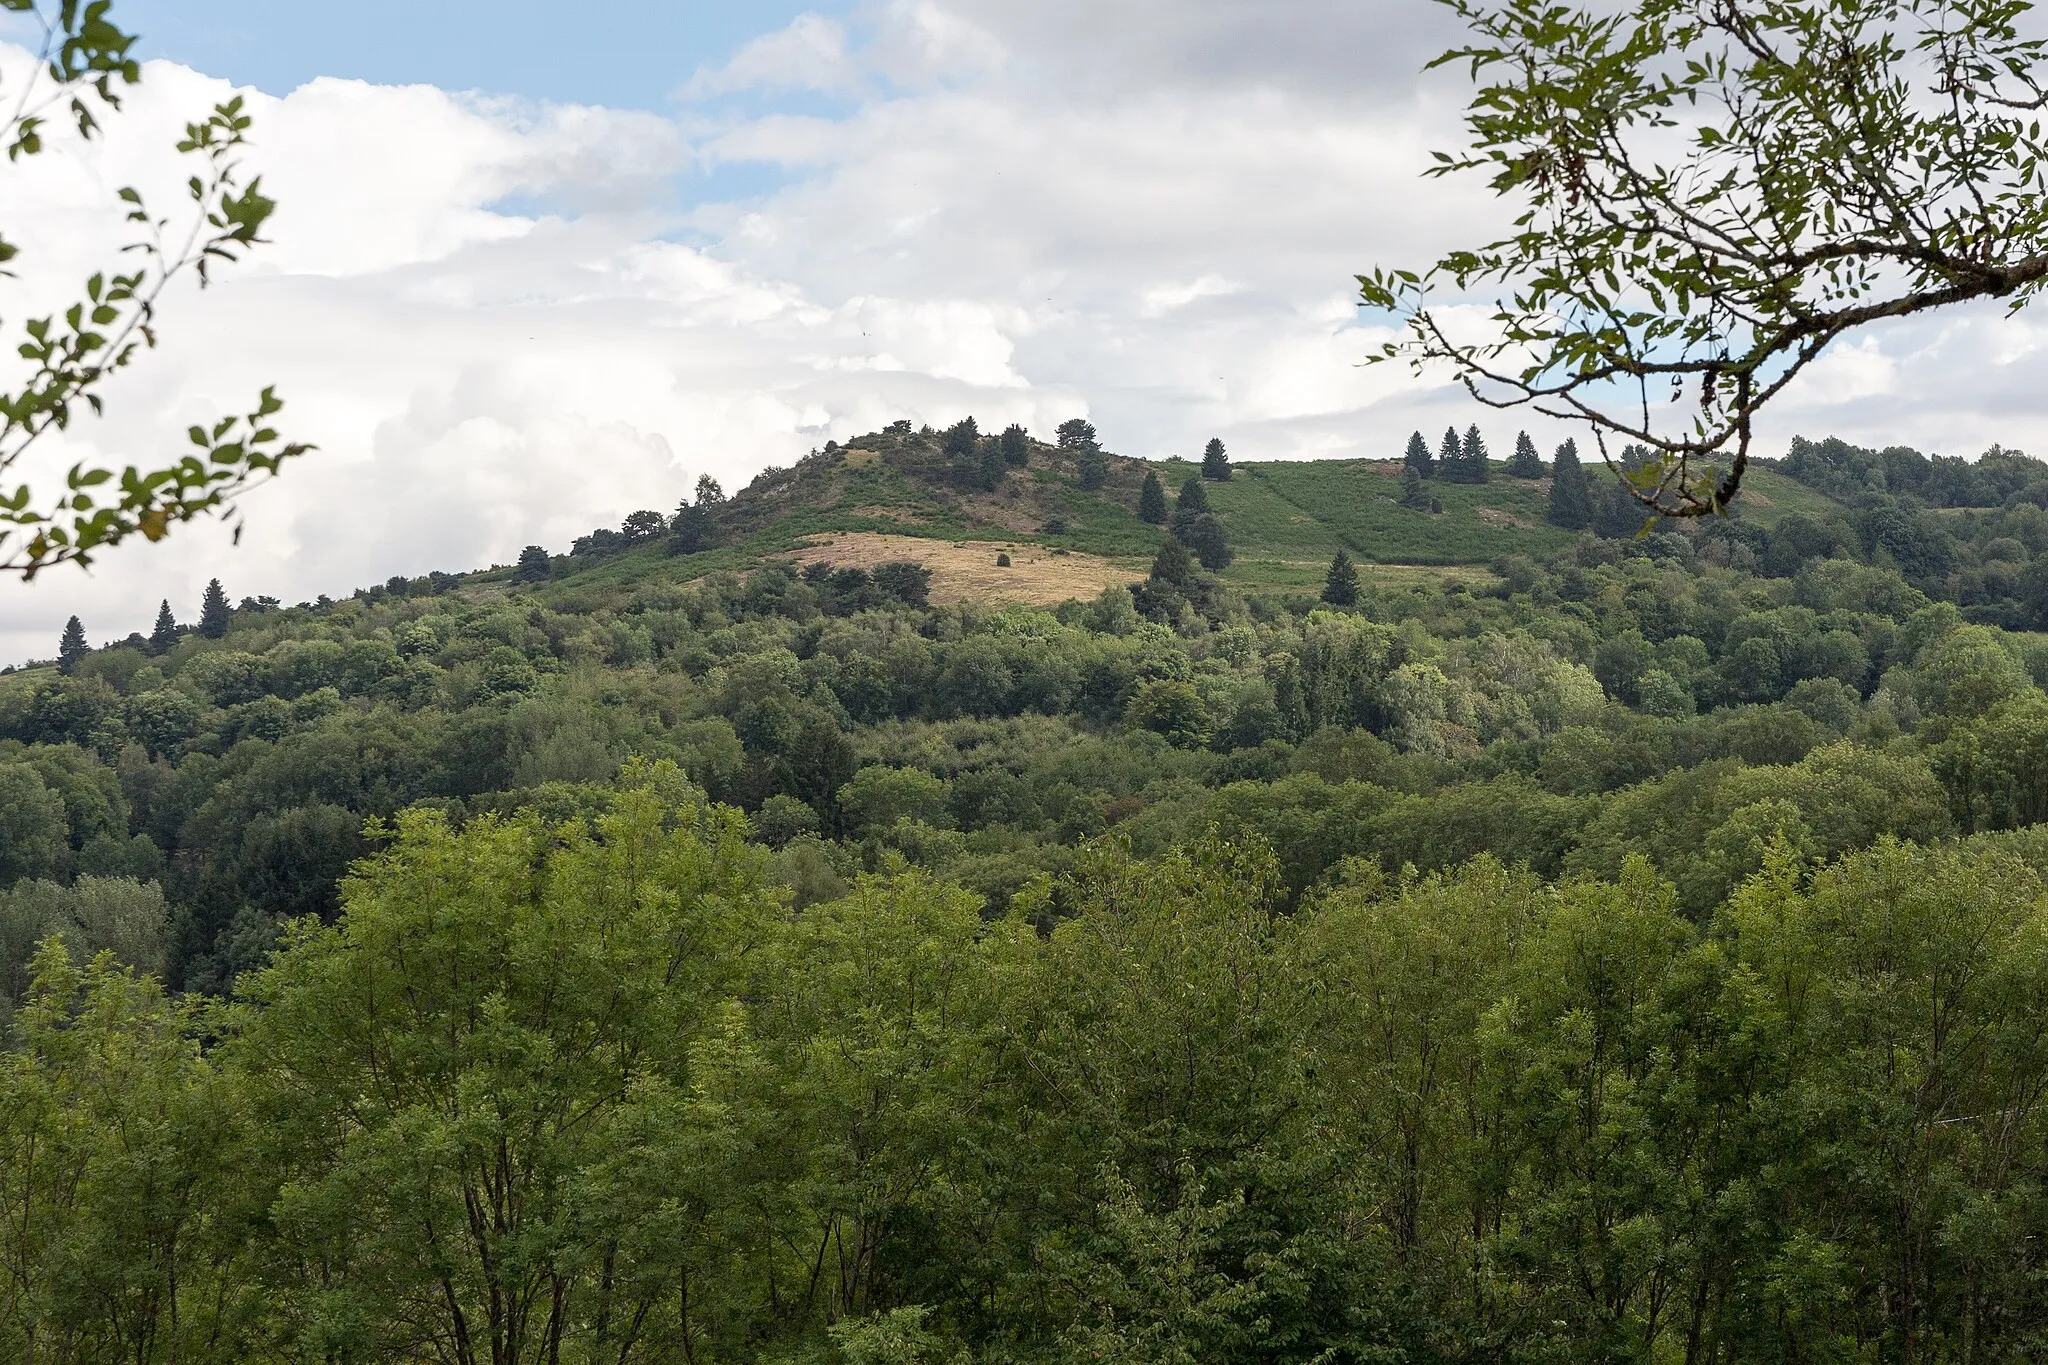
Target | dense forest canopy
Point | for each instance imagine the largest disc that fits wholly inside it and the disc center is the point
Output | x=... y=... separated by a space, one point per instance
x=1625 y=951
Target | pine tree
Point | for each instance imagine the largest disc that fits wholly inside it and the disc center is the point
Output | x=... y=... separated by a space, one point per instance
x=1340 y=585
x=1571 y=501
x=1412 y=494
x=1526 y=464
x=1472 y=460
x=1075 y=433
x=1152 y=500
x=1016 y=446
x=1191 y=503
x=1091 y=467
x=1173 y=566
x=961 y=437
x=1418 y=457
x=213 y=611
x=71 y=648
x=1211 y=547
x=166 y=633
x=1215 y=464
x=1450 y=455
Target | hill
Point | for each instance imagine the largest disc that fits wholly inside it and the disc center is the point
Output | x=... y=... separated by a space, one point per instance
x=697 y=924
x=899 y=492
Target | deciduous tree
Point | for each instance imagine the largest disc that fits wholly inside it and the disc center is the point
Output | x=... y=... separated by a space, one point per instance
x=1707 y=196
x=82 y=63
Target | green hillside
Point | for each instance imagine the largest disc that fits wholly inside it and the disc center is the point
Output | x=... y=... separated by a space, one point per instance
x=1283 y=519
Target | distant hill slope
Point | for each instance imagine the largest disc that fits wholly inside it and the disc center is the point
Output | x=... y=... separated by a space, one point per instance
x=890 y=491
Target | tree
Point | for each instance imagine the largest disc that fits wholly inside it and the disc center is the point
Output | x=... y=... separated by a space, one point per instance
x=1152 y=500
x=1170 y=707
x=71 y=356
x=1450 y=457
x=1075 y=433
x=1091 y=466
x=1525 y=463
x=549 y=1102
x=1472 y=460
x=1016 y=446
x=1215 y=464
x=691 y=530
x=1173 y=566
x=709 y=494
x=641 y=527
x=72 y=648
x=1413 y=494
x=165 y=633
x=908 y=582
x=1210 y=546
x=1340 y=585
x=1418 y=457
x=1571 y=502
x=533 y=567
x=960 y=439
x=1707 y=196
x=1192 y=503
x=214 y=613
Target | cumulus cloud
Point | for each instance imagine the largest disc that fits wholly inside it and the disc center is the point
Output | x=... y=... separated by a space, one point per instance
x=508 y=323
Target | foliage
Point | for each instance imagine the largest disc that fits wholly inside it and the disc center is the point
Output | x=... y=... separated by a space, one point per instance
x=1215 y=463
x=1152 y=500
x=83 y=61
x=1709 y=196
x=1340 y=585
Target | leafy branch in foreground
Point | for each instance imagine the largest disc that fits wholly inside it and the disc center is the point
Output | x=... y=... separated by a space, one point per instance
x=71 y=355
x=1715 y=190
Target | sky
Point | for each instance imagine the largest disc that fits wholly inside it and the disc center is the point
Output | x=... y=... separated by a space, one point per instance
x=537 y=266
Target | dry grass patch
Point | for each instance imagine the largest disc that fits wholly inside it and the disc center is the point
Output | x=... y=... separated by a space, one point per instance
x=964 y=570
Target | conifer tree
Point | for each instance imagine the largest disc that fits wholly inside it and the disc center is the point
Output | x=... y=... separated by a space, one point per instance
x=1215 y=463
x=1450 y=454
x=1526 y=463
x=213 y=611
x=1016 y=446
x=1472 y=459
x=1173 y=566
x=1412 y=493
x=1152 y=500
x=1206 y=539
x=165 y=634
x=1091 y=466
x=961 y=437
x=1191 y=503
x=71 y=647
x=1340 y=585
x=1571 y=502
x=1418 y=457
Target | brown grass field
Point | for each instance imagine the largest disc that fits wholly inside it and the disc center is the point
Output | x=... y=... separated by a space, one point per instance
x=966 y=569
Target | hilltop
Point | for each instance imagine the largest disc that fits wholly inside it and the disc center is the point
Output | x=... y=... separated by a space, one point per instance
x=898 y=494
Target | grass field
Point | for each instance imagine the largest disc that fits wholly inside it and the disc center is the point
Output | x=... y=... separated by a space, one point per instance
x=967 y=569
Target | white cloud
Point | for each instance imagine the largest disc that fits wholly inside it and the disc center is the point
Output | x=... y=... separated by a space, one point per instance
x=810 y=54
x=500 y=330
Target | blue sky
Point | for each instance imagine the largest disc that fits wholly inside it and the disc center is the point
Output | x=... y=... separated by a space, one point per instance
x=621 y=53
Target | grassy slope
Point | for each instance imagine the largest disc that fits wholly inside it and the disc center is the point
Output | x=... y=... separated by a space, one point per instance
x=1284 y=518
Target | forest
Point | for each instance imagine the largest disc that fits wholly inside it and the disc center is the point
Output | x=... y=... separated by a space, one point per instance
x=1634 y=950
